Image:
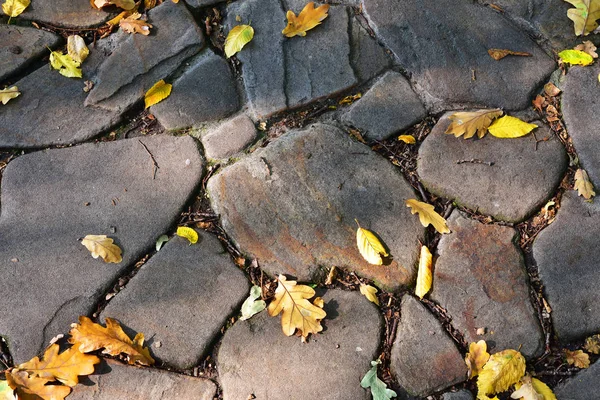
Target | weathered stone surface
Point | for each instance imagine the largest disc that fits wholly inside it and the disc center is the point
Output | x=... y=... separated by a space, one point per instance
x=19 y=45
x=202 y=3
x=68 y=13
x=204 y=92
x=496 y=190
x=115 y=381
x=256 y=358
x=293 y=203
x=47 y=277
x=367 y=56
x=580 y=110
x=581 y=386
x=480 y=280
x=229 y=138
x=181 y=298
x=441 y=43
x=460 y=395
x=567 y=255
x=388 y=107
x=424 y=359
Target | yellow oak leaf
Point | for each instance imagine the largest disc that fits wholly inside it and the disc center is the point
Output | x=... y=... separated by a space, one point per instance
x=370 y=293
x=502 y=370
x=188 y=233
x=88 y=336
x=509 y=127
x=584 y=16
x=133 y=24
x=427 y=215
x=592 y=344
x=77 y=49
x=9 y=93
x=34 y=388
x=583 y=185
x=468 y=122
x=103 y=246
x=476 y=358
x=577 y=358
x=408 y=139
x=297 y=311
x=369 y=246
x=14 y=8
x=65 y=64
x=237 y=38
x=124 y=4
x=576 y=57
x=308 y=18
x=157 y=93
x=425 y=274
x=587 y=47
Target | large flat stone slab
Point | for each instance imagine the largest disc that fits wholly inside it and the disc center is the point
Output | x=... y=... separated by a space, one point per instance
x=368 y=57
x=581 y=386
x=181 y=298
x=567 y=255
x=480 y=279
x=441 y=42
x=67 y=13
x=256 y=358
x=53 y=198
x=293 y=203
x=519 y=166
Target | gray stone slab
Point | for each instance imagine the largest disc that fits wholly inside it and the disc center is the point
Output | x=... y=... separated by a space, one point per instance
x=567 y=255
x=47 y=277
x=67 y=13
x=581 y=386
x=424 y=359
x=441 y=42
x=115 y=381
x=496 y=190
x=196 y=4
x=204 y=92
x=388 y=107
x=256 y=358
x=229 y=138
x=460 y=395
x=181 y=298
x=20 y=45
x=293 y=203
x=368 y=58
x=480 y=279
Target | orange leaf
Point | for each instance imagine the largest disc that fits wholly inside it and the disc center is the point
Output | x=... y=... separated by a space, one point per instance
x=133 y=24
x=308 y=18
x=499 y=54
x=34 y=388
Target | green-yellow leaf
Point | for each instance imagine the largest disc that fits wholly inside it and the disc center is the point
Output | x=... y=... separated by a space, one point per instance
x=369 y=246
x=509 y=127
x=468 y=122
x=427 y=215
x=379 y=389
x=14 y=8
x=425 y=274
x=408 y=139
x=370 y=293
x=308 y=18
x=583 y=184
x=584 y=16
x=77 y=49
x=102 y=246
x=237 y=38
x=576 y=57
x=9 y=93
x=157 y=93
x=502 y=370
x=190 y=234
x=65 y=64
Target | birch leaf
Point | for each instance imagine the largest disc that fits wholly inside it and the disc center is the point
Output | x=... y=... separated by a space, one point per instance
x=237 y=38
x=425 y=274
x=468 y=122
x=34 y=388
x=379 y=389
x=14 y=8
x=584 y=16
x=476 y=358
x=502 y=370
x=509 y=127
x=102 y=246
x=308 y=18
x=583 y=185
x=370 y=293
x=9 y=93
x=157 y=93
x=576 y=57
x=427 y=215
x=251 y=305
x=65 y=64
x=133 y=24
x=577 y=358
x=369 y=246
x=77 y=49
x=188 y=233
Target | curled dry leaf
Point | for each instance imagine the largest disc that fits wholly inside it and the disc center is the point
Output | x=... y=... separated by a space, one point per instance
x=28 y=387
x=509 y=127
x=468 y=122
x=8 y=94
x=425 y=274
x=124 y=4
x=427 y=215
x=499 y=54
x=583 y=185
x=408 y=139
x=308 y=18
x=102 y=246
x=587 y=47
x=551 y=90
x=77 y=49
x=14 y=8
x=369 y=246
x=502 y=370
x=251 y=305
x=237 y=38
x=133 y=24
x=576 y=57
x=65 y=64
x=584 y=16
x=476 y=358
x=188 y=233
x=577 y=358
x=161 y=241
x=592 y=344
x=157 y=93
x=369 y=292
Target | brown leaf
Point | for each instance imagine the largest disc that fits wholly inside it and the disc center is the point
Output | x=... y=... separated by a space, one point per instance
x=468 y=122
x=551 y=89
x=124 y=4
x=308 y=18
x=476 y=358
x=539 y=102
x=583 y=185
x=577 y=358
x=499 y=54
x=587 y=47
x=133 y=24
x=34 y=388
x=592 y=344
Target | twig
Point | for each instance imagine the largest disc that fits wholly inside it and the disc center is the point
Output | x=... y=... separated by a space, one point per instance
x=475 y=161
x=154 y=163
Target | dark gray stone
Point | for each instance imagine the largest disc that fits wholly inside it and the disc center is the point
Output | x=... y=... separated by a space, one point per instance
x=293 y=204
x=495 y=190
x=460 y=395
x=424 y=359
x=229 y=138
x=581 y=386
x=196 y=4
x=47 y=278
x=256 y=358
x=20 y=45
x=441 y=43
x=115 y=381
x=388 y=107
x=67 y=13
x=181 y=298
x=204 y=92
x=567 y=255
x=368 y=57
x=480 y=279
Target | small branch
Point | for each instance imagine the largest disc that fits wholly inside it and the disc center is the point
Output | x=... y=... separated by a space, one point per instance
x=475 y=161
x=154 y=163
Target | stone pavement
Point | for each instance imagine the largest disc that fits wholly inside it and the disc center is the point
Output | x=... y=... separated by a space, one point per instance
x=263 y=142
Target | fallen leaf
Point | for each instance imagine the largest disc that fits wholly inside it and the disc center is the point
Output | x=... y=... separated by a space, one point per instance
x=149 y=4
x=188 y=233
x=476 y=358
x=124 y=4
x=526 y=391
x=509 y=127
x=379 y=389
x=161 y=241
x=133 y=24
x=308 y=18
x=499 y=54
x=331 y=275
x=551 y=90
x=350 y=99
x=237 y=38
x=77 y=49
x=577 y=358
x=115 y=21
x=425 y=274
x=14 y=8
x=34 y=388
x=539 y=103
x=291 y=300
x=6 y=392
x=157 y=93
x=408 y=139
x=9 y=93
x=427 y=215
x=88 y=336
x=592 y=344
x=251 y=305
x=369 y=292
x=65 y=64
x=576 y=57
x=103 y=246
x=584 y=16
x=468 y=122
x=502 y=370
x=587 y=47
x=369 y=246
x=583 y=184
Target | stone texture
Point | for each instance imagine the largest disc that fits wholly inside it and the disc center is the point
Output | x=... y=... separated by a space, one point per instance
x=480 y=280
x=293 y=203
x=440 y=43
x=47 y=278
x=581 y=386
x=181 y=298
x=368 y=57
x=460 y=395
x=230 y=137
x=115 y=381
x=204 y=92
x=19 y=45
x=256 y=358
x=424 y=359
x=496 y=190
x=196 y=4
x=567 y=255
x=388 y=107
x=67 y=13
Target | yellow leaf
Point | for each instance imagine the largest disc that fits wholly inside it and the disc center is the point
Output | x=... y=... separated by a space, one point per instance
x=76 y=48
x=64 y=64
x=291 y=300
x=543 y=389
x=583 y=184
x=157 y=93
x=576 y=57
x=34 y=388
x=133 y=24
x=425 y=274
x=124 y=4
x=526 y=391
x=427 y=215
x=409 y=139
x=502 y=370
x=116 y=20
x=587 y=47
x=584 y=16
x=476 y=358
x=369 y=246
x=63 y=367
x=9 y=93
x=577 y=358
x=103 y=246
x=592 y=344
x=308 y=18
x=237 y=38
x=88 y=336
x=188 y=233
x=509 y=127
x=468 y=122
x=14 y=8
x=370 y=293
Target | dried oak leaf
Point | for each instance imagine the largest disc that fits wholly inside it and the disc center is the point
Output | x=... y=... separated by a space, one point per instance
x=577 y=358
x=592 y=344
x=584 y=16
x=308 y=18
x=502 y=370
x=28 y=387
x=427 y=215
x=587 y=47
x=369 y=292
x=468 y=122
x=103 y=246
x=14 y=8
x=583 y=185
x=369 y=246
x=425 y=274
x=476 y=358
x=8 y=94
x=133 y=24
